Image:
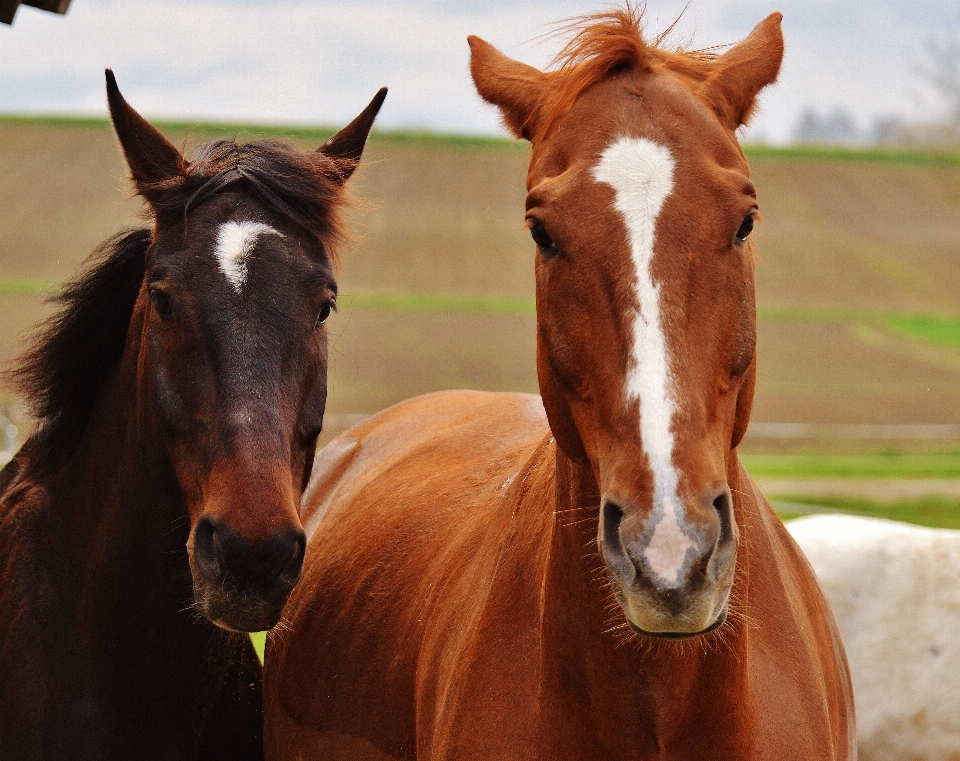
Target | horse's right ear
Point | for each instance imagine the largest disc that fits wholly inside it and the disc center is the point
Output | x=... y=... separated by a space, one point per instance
x=744 y=70
x=150 y=156
x=513 y=87
x=347 y=145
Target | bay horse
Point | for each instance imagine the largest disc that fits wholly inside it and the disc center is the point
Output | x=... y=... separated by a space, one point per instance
x=152 y=516
x=589 y=574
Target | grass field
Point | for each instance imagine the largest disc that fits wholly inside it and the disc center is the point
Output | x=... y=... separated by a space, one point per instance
x=932 y=510
x=858 y=279
x=862 y=466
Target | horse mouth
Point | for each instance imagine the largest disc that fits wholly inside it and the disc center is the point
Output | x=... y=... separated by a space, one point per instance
x=708 y=608
x=720 y=620
x=238 y=613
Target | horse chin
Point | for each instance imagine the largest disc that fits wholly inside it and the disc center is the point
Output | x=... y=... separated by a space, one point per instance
x=720 y=620
x=704 y=614
x=236 y=613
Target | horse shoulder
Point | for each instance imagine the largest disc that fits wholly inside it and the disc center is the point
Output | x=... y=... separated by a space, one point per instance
x=797 y=659
x=31 y=550
x=34 y=592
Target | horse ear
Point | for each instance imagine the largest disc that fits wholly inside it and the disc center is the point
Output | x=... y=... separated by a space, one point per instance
x=513 y=87
x=347 y=145
x=744 y=70
x=150 y=156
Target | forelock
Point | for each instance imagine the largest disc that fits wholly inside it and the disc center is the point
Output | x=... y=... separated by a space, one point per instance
x=600 y=45
x=302 y=187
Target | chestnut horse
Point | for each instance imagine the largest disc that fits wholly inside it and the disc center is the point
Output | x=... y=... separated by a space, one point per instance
x=180 y=391
x=479 y=585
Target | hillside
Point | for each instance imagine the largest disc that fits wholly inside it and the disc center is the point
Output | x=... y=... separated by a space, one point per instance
x=858 y=279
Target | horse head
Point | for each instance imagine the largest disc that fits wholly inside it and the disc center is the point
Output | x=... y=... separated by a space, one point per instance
x=232 y=360
x=641 y=206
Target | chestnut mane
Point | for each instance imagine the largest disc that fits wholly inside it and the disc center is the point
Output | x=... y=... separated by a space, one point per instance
x=601 y=45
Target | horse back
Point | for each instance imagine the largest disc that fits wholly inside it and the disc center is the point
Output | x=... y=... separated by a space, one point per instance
x=409 y=509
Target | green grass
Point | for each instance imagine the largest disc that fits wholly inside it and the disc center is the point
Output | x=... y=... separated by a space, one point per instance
x=26 y=287
x=259 y=640
x=417 y=138
x=935 y=329
x=892 y=465
x=873 y=155
x=810 y=314
x=932 y=510
x=425 y=139
x=939 y=329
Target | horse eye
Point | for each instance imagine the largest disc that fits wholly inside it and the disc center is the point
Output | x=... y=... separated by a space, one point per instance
x=324 y=314
x=746 y=227
x=161 y=303
x=544 y=242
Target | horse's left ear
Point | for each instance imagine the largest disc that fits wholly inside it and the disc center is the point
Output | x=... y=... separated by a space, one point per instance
x=150 y=156
x=744 y=70
x=347 y=145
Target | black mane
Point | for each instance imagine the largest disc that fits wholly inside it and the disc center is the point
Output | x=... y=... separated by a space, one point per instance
x=74 y=352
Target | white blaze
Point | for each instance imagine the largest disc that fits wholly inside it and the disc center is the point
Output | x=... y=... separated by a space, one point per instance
x=235 y=241
x=641 y=174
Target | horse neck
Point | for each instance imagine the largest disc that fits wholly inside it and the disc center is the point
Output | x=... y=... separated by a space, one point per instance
x=151 y=667
x=119 y=497
x=584 y=629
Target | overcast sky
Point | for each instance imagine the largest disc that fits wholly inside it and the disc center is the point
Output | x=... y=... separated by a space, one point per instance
x=319 y=62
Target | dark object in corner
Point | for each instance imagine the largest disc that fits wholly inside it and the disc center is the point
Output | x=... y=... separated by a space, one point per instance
x=8 y=8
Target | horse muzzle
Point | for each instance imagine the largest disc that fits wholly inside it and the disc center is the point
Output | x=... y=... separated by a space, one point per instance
x=671 y=567
x=239 y=584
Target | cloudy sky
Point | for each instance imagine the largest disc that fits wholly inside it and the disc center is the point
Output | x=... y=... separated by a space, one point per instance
x=318 y=62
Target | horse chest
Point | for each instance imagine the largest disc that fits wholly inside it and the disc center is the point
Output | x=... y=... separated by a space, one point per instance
x=93 y=663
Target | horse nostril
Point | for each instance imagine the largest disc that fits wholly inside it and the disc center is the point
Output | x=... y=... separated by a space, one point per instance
x=207 y=551
x=612 y=518
x=290 y=571
x=724 y=551
x=611 y=543
x=724 y=507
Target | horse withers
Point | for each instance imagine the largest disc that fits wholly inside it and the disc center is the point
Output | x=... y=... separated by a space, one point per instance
x=153 y=516
x=590 y=574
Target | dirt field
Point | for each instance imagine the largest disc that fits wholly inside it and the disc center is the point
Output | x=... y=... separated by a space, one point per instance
x=863 y=236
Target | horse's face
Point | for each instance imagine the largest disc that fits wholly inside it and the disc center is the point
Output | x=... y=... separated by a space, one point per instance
x=235 y=355
x=641 y=206
x=233 y=348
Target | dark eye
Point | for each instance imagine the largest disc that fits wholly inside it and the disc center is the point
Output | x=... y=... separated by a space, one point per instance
x=544 y=242
x=324 y=313
x=162 y=304
x=746 y=227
